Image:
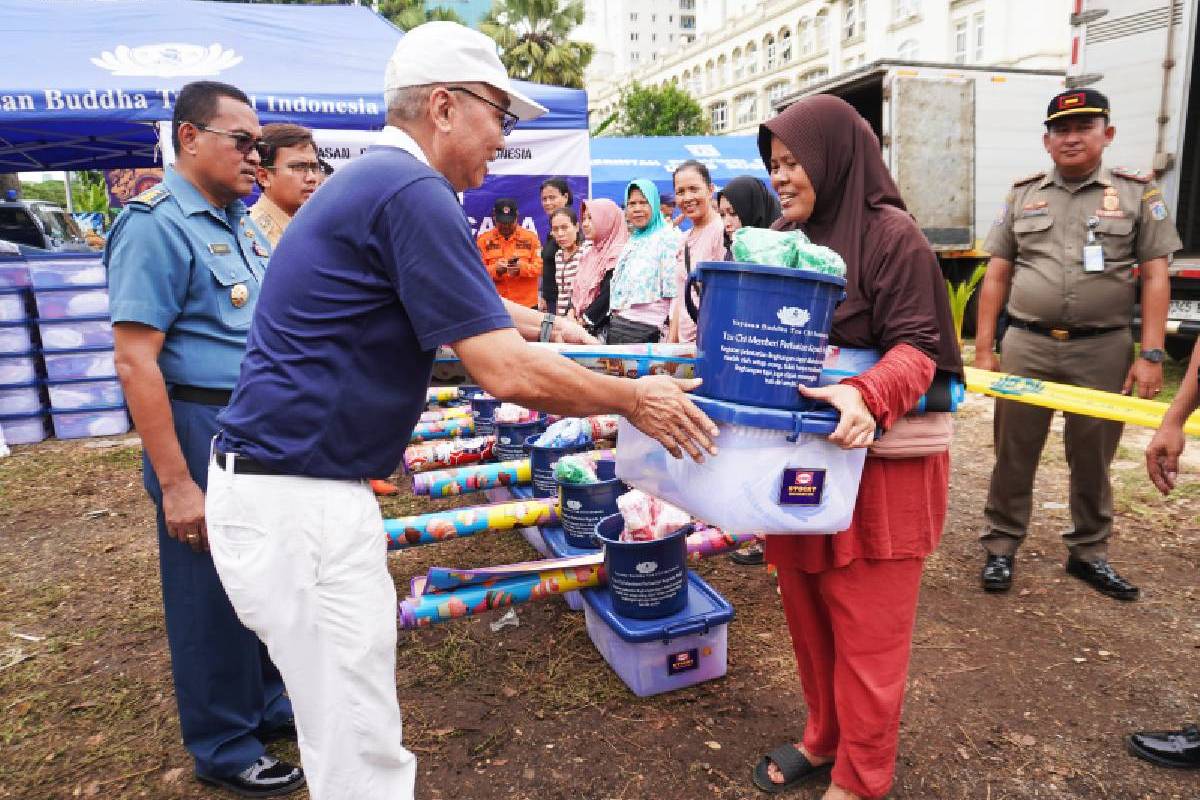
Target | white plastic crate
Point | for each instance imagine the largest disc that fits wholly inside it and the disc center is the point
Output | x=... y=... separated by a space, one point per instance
x=61 y=334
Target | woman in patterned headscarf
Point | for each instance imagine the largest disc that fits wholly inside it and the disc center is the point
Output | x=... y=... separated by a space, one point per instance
x=643 y=282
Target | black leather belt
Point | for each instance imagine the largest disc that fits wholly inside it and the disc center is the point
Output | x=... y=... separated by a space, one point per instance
x=244 y=466
x=1061 y=334
x=201 y=395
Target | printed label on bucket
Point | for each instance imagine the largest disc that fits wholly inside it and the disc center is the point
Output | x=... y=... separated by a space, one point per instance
x=802 y=487
x=685 y=661
x=648 y=586
x=783 y=354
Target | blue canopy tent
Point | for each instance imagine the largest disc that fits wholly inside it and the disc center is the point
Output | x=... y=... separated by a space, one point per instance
x=87 y=80
x=618 y=160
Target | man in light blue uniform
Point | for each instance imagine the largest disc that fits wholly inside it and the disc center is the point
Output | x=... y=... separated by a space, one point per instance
x=185 y=265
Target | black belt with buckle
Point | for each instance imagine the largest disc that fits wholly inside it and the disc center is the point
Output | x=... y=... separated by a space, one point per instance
x=1061 y=334
x=201 y=395
x=243 y=465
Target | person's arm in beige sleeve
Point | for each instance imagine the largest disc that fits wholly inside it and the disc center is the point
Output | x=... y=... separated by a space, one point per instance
x=1157 y=239
x=657 y=405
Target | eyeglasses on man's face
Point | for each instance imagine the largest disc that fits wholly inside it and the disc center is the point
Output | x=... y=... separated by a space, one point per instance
x=243 y=142
x=508 y=120
x=301 y=169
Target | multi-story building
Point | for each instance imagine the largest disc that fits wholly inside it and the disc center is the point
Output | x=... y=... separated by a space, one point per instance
x=777 y=47
x=630 y=34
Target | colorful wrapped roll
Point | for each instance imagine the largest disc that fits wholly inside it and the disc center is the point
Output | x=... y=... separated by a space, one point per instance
x=451 y=428
x=626 y=360
x=405 y=532
x=426 y=609
x=478 y=477
x=445 y=593
x=427 y=456
x=442 y=394
x=449 y=412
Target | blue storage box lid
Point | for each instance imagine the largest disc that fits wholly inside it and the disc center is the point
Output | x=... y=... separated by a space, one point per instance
x=523 y=492
x=556 y=540
x=56 y=351
x=705 y=610
x=89 y=409
x=72 y=320
x=12 y=289
x=13 y=323
x=22 y=354
x=72 y=287
x=89 y=379
x=822 y=420
x=24 y=415
x=22 y=385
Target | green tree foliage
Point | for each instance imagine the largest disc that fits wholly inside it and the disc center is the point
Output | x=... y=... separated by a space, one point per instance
x=650 y=111
x=404 y=14
x=534 y=40
x=87 y=187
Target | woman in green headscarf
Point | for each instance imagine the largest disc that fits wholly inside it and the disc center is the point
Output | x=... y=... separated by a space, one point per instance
x=643 y=281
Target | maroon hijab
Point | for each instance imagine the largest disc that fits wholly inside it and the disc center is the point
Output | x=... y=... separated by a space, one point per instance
x=895 y=292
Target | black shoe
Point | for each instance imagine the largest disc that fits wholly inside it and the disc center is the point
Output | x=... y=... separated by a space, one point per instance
x=267 y=777
x=284 y=732
x=1102 y=577
x=1167 y=748
x=749 y=556
x=997 y=573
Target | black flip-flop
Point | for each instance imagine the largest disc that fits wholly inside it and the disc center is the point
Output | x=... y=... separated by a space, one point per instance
x=796 y=770
x=747 y=557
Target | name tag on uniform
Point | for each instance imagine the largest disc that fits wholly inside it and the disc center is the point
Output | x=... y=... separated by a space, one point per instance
x=1093 y=258
x=219 y=249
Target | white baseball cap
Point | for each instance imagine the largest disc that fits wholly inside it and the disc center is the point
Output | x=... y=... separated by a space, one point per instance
x=446 y=52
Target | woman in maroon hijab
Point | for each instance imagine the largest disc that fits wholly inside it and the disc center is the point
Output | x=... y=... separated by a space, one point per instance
x=850 y=598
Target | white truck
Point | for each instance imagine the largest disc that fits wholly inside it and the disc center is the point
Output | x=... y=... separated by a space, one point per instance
x=954 y=136
x=1141 y=54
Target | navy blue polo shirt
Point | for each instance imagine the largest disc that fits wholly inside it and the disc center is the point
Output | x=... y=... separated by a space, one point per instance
x=376 y=271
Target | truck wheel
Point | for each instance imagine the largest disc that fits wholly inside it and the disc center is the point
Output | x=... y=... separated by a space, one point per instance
x=1180 y=347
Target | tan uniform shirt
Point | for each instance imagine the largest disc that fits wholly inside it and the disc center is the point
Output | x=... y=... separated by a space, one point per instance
x=1043 y=228
x=270 y=218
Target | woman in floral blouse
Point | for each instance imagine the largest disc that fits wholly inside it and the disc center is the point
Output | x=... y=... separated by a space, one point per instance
x=643 y=282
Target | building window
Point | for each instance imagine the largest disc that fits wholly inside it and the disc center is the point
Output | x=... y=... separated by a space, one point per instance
x=960 y=41
x=776 y=92
x=739 y=65
x=903 y=9
x=745 y=109
x=814 y=76
x=695 y=86
x=821 y=30
x=855 y=22
x=687 y=22
x=751 y=59
x=710 y=77
x=635 y=58
x=908 y=50
x=977 y=25
x=718 y=116
x=785 y=47
x=633 y=37
x=633 y=17
x=654 y=37
x=772 y=52
x=687 y=5
x=805 y=34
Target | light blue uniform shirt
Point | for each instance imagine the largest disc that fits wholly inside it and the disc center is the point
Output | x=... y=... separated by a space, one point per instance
x=184 y=267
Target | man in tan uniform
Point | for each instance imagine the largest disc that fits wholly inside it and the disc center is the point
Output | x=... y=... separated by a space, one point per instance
x=1064 y=250
x=288 y=175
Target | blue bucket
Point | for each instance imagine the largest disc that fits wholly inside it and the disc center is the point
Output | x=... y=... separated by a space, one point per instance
x=542 y=461
x=761 y=331
x=482 y=409
x=648 y=580
x=582 y=506
x=511 y=436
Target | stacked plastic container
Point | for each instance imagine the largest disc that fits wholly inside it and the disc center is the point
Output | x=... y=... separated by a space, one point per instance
x=23 y=404
x=71 y=294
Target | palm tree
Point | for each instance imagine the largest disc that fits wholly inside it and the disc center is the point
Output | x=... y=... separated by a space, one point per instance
x=533 y=39
x=408 y=14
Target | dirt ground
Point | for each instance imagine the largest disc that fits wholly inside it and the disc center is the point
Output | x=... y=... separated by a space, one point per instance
x=1026 y=695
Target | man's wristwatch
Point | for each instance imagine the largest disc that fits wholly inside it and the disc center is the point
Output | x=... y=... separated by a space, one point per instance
x=548 y=328
x=1154 y=356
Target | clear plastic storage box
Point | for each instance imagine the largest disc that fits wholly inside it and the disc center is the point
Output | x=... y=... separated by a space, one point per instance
x=24 y=398
x=84 y=422
x=65 y=365
x=24 y=428
x=68 y=303
x=15 y=337
x=71 y=395
x=12 y=305
x=62 y=334
x=18 y=368
x=85 y=269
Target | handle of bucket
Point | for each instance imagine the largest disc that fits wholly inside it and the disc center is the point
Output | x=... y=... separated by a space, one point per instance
x=688 y=302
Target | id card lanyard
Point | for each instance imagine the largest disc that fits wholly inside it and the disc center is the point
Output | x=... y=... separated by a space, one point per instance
x=1093 y=253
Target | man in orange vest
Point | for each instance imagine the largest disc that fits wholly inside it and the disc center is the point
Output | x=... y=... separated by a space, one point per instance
x=512 y=255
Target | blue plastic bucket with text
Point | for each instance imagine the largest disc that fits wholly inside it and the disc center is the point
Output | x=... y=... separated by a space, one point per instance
x=511 y=436
x=542 y=461
x=648 y=580
x=581 y=506
x=761 y=331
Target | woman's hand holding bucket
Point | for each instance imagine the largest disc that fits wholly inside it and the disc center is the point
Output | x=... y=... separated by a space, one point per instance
x=857 y=426
x=663 y=412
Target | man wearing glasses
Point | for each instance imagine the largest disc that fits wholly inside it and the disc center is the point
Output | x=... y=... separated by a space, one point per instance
x=1063 y=256
x=288 y=175
x=185 y=265
x=376 y=273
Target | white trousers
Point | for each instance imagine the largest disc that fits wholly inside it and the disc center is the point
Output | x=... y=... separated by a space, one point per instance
x=304 y=562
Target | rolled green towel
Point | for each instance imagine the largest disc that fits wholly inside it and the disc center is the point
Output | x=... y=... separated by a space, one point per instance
x=790 y=249
x=571 y=469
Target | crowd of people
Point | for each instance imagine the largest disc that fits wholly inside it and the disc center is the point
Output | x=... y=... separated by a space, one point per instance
x=273 y=559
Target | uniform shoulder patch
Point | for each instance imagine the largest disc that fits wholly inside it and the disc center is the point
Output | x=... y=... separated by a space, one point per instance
x=1132 y=174
x=151 y=197
x=1030 y=178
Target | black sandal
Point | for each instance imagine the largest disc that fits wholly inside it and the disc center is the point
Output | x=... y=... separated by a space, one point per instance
x=749 y=556
x=796 y=770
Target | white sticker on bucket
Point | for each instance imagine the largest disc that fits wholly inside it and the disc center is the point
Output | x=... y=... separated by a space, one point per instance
x=646 y=567
x=574 y=505
x=794 y=316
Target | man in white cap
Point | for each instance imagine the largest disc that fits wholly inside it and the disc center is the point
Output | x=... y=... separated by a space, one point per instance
x=378 y=269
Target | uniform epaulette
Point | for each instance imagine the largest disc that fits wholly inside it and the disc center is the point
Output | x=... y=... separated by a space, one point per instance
x=1035 y=176
x=151 y=197
x=1132 y=174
